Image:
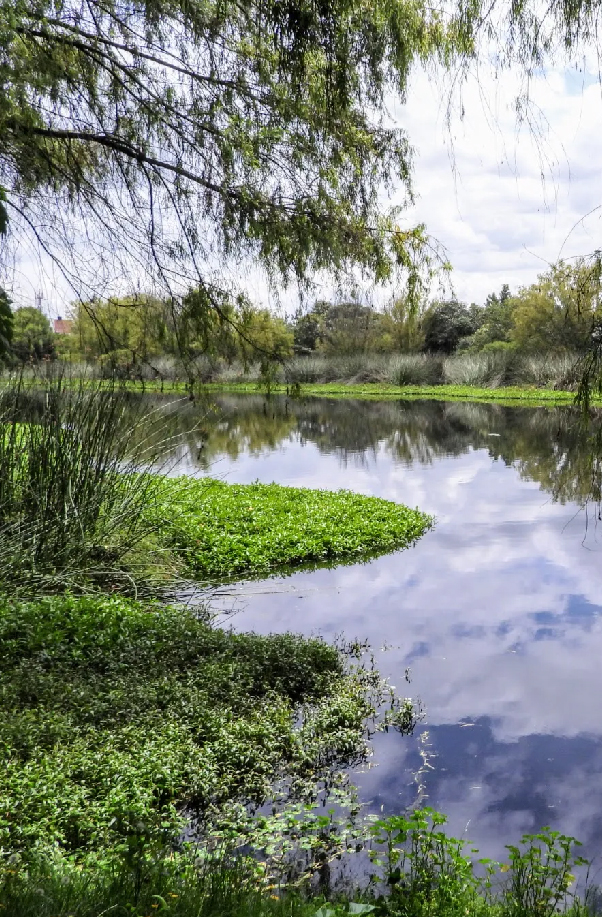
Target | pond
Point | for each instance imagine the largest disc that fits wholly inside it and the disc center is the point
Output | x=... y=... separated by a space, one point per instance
x=496 y=612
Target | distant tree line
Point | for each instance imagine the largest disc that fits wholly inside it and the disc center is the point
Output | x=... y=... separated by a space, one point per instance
x=560 y=313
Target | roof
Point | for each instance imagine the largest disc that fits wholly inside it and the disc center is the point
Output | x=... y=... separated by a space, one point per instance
x=62 y=325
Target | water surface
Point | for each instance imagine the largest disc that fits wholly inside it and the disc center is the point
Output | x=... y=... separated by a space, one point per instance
x=497 y=611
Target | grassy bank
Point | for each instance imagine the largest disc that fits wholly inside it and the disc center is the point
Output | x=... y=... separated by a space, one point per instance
x=224 y=530
x=506 y=376
x=510 y=395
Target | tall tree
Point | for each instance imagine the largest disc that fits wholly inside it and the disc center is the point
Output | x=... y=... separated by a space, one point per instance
x=33 y=338
x=444 y=325
x=561 y=311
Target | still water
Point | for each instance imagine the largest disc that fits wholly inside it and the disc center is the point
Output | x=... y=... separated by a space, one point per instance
x=497 y=612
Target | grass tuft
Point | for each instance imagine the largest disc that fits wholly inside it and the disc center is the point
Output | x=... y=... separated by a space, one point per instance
x=72 y=486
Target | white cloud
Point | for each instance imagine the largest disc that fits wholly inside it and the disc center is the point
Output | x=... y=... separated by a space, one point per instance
x=504 y=200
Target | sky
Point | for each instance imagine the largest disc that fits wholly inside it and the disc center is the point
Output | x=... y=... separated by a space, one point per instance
x=504 y=200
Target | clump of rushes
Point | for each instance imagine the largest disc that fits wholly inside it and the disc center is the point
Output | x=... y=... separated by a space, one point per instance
x=72 y=492
x=228 y=530
x=120 y=718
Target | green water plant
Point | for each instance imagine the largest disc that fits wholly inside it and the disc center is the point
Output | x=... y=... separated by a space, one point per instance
x=229 y=530
x=540 y=873
x=425 y=871
x=122 y=722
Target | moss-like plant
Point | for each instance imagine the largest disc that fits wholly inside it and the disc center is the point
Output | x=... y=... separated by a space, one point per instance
x=119 y=718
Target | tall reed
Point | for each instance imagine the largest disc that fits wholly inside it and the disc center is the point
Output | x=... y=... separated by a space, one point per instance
x=73 y=484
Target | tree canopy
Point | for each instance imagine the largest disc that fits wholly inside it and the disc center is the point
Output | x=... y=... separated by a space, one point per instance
x=445 y=324
x=123 y=334
x=560 y=311
x=166 y=133
x=32 y=338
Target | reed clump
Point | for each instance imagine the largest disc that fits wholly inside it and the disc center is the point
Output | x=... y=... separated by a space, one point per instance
x=73 y=483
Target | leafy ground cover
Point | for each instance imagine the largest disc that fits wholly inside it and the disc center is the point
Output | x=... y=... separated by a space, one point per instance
x=226 y=530
x=119 y=716
x=417 y=871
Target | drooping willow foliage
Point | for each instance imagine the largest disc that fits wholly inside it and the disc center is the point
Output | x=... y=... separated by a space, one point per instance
x=171 y=132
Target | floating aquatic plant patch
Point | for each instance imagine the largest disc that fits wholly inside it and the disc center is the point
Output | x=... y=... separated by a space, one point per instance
x=225 y=530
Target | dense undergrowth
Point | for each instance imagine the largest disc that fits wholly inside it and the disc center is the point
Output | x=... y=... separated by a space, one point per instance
x=223 y=530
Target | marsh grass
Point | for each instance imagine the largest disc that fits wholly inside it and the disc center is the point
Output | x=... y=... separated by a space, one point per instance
x=485 y=369
x=73 y=484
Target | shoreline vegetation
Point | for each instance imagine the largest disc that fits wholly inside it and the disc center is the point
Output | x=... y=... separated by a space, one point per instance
x=512 y=395
x=84 y=498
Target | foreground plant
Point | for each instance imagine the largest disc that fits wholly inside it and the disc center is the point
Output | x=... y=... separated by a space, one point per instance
x=120 y=721
x=73 y=487
x=422 y=872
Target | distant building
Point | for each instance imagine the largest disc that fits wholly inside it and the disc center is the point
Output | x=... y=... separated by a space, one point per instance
x=62 y=325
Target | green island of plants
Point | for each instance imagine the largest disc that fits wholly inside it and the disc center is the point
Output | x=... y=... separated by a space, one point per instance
x=225 y=530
